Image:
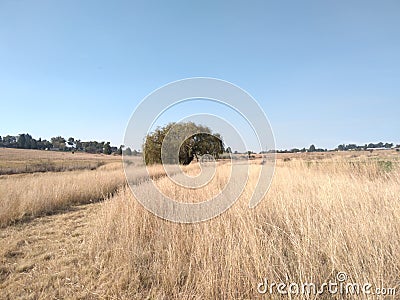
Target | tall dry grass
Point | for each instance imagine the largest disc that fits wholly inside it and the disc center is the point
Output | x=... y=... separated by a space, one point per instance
x=317 y=220
x=24 y=196
x=27 y=196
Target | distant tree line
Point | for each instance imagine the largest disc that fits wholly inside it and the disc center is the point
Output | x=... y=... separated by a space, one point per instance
x=312 y=148
x=353 y=147
x=342 y=147
x=26 y=141
x=198 y=145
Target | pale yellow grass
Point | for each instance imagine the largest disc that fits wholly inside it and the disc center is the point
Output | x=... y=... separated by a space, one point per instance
x=24 y=196
x=31 y=195
x=320 y=217
x=316 y=221
x=15 y=161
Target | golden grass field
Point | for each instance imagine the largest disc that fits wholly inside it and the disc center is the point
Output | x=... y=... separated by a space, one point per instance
x=16 y=161
x=82 y=235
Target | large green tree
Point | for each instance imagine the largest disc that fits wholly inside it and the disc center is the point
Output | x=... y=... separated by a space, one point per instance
x=181 y=143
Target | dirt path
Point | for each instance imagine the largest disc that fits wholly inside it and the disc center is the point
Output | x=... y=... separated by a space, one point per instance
x=44 y=259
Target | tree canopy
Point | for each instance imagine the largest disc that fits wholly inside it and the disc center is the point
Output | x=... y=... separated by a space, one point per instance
x=181 y=143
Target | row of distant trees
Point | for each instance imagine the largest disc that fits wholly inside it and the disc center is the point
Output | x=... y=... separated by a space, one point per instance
x=26 y=141
x=200 y=144
x=312 y=148
x=380 y=145
x=343 y=147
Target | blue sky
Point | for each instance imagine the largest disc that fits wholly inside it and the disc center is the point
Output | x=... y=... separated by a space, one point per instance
x=325 y=72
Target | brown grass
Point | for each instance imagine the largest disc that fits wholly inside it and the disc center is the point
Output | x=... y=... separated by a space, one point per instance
x=16 y=161
x=320 y=217
x=27 y=196
x=313 y=223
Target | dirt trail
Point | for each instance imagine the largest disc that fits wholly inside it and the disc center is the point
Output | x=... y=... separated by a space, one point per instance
x=43 y=259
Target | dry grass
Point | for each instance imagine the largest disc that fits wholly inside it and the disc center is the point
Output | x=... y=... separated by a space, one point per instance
x=315 y=222
x=25 y=196
x=16 y=161
x=46 y=258
x=391 y=155
x=31 y=195
x=321 y=216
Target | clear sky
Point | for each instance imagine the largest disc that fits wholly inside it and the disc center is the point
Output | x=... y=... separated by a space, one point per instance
x=325 y=72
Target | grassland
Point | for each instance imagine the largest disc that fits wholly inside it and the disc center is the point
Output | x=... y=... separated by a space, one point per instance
x=17 y=161
x=324 y=214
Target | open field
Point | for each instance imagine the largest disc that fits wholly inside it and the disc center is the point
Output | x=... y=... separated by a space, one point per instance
x=32 y=195
x=26 y=196
x=324 y=214
x=391 y=155
x=15 y=161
